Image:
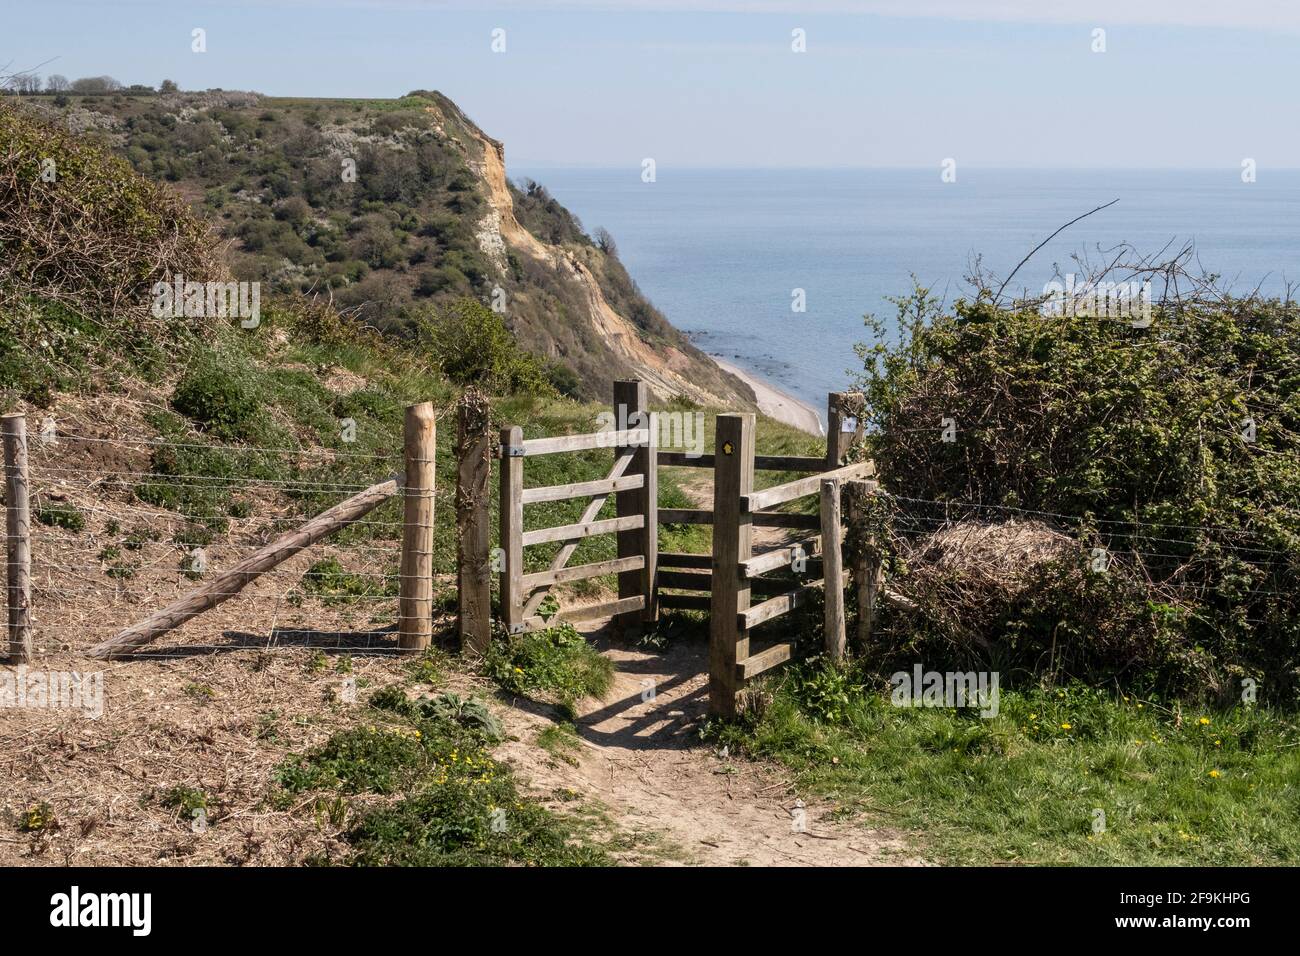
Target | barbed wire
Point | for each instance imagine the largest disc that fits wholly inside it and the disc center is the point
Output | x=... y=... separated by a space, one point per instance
x=107 y=476
x=157 y=442
x=916 y=519
x=1052 y=514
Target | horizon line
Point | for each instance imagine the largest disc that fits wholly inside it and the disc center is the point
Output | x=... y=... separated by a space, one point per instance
x=992 y=167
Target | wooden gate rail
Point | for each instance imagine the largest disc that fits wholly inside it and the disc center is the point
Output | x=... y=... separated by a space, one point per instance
x=580 y=572
x=780 y=557
x=550 y=446
x=702 y=580
x=802 y=487
x=762 y=519
x=680 y=459
x=583 y=489
x=585 y=529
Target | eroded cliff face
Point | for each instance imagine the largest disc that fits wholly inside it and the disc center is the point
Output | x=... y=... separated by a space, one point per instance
x=616 y=347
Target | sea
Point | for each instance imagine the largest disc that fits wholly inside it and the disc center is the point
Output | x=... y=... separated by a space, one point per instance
x=729 y=256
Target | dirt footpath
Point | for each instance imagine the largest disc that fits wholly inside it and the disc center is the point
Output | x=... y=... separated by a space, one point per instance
x=642 y=758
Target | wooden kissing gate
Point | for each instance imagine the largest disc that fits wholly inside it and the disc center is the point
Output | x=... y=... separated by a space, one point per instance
x=650 y=580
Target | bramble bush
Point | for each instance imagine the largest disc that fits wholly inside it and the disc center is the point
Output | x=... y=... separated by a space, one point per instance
x=1175 y=447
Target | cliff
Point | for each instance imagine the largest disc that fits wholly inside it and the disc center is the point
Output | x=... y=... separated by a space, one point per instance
x=394 y=207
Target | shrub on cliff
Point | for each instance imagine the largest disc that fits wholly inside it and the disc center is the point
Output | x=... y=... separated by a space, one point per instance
x=222 y=393
x=472 y=346
x=1174 y=448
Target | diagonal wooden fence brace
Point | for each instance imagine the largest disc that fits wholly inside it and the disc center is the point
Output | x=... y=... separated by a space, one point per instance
x=226 y=585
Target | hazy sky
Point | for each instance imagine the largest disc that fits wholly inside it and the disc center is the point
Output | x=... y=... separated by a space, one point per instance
x=715 y=82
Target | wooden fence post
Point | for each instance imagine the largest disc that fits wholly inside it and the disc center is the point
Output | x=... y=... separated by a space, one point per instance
x=415 y=620
x=833 y=568
x=733 y=476
x=512 y=528
x=866 y=565
x=473 y=456
x=18 y=531
x=839 y=441
x=632 y=410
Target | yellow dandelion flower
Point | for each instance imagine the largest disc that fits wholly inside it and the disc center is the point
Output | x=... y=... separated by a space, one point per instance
x=1065 y=727
x=1204 y=721
x=1215 y=773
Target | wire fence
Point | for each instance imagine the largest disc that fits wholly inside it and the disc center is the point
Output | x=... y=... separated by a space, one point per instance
x=1148 y=547
x=120 y=535
x=118 y=531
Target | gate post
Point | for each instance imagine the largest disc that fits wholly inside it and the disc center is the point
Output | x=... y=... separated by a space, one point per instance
x=839 y=441
x=867 y=571
x=473 y=454
x=512 y=528
x=733 y=476
x=632 y=410
x=832 y=568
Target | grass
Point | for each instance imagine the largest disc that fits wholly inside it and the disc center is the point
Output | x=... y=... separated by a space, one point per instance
x=1176 y=786
x=37 y=818
x=328 y=580
x=556 y=663
x=561 y=742
x=185 y=800
x=458 y=806
x=428 y=668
